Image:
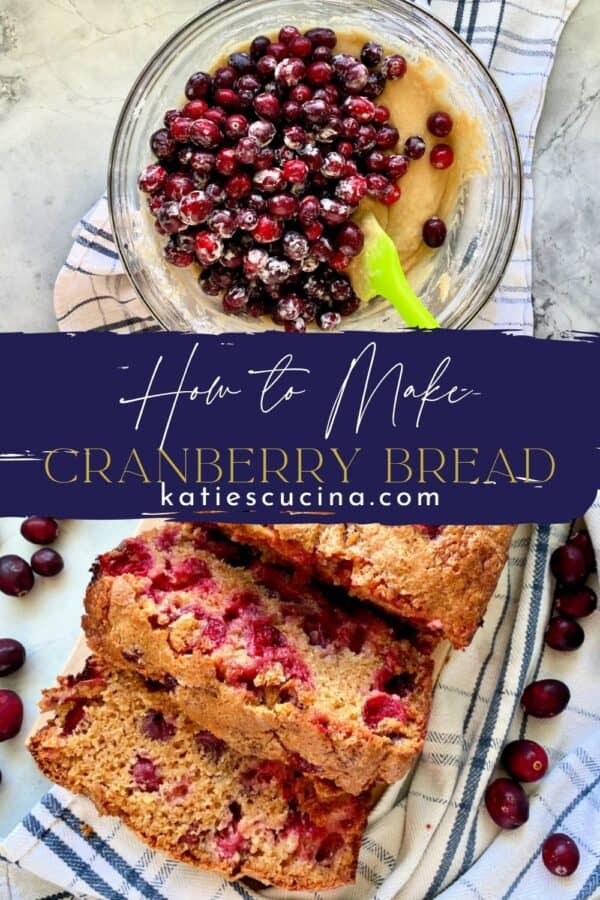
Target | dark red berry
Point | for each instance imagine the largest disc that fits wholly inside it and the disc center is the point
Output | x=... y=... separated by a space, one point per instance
x=376 y=161
x=371 y=54
x=40 y=529
x=195 y=109
x=180 y=127
x=434 y=232
x=237 y=186
x=568 y=565
x=177 y=185
x=300 y=46
x=582 y=540
x=394 y=67
x=321 y=54
x=246 y=150
x=266 y=66
x=177 y=257
x=259 y=46
x=319 y=73
x=525 y=760
x=11 y=715
x=316 y=112
x=397 y=166
x=283 y=205
x=162 y=144
x=222 y=223
x=322 y=37
x=226 y=162
x=327 y=321
x=262 y=132
x=236 y=298
x=267 y=105
x=387 y=137
x=297 y=326
x=198 y=86
x=350 y=239
x=295 y=171
x=375 y=85
x=208 y=247
x=152 y=178
x=12 y=656
x=156 y=727
x=267 y=230
x=290 y=71
x=577 y=603
x=352 y=189
x=354 y=77
x=414 y=147
x=46 y=561
x=170 y=116
x=441 y=156
x=440 y=124
x=217 y=115
x=560 y=854
x=241 y=62
x=381 y=115
x=563 y=633
x=546 y=698
x=269 y=180
x=295 y=245
x=16 y=577
x=205 y=133
x=145 y=774
x=358 y=108
x=334 y=212
x=507 y=803
x=287 y=34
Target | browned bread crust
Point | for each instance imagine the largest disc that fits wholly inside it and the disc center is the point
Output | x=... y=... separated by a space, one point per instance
x=438 y=578
x=264 y=662
x=128 y=747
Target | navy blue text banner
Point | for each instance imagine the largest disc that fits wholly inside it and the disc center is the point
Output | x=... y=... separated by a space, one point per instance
x=440 y=427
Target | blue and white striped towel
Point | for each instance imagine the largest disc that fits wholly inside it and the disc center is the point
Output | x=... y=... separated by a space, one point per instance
x=516 y=39
x=437 y=840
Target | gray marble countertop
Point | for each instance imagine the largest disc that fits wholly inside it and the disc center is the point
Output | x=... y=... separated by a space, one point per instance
x=65 y=66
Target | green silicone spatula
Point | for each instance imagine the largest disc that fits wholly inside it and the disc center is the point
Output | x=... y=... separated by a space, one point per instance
x=377 y=271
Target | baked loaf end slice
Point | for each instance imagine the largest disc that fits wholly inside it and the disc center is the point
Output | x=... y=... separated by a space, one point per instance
x=128 y=747
x=265 y=662
x=439 y=578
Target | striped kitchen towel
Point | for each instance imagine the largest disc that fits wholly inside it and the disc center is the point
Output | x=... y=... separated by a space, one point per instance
x=516 y=39
x=434 y=839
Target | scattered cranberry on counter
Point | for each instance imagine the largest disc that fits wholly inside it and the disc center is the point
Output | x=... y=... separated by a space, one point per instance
x=560 y=854
x=507 y=803
x=577 y=603
x=545 y=698
x=11 y=715
x=40 y=529
x=564 y=634
x=525 y=760
x=568 y=565
x=16 y=576
x=47 y=562
x=12 y=656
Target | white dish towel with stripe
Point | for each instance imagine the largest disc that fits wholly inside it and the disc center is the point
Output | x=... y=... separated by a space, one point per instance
x=516 y=39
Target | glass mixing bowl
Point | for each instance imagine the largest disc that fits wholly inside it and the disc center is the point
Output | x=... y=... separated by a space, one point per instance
x=458 y=279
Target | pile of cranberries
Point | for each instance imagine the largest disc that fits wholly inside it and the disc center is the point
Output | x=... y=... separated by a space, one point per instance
x=258 y=175
x=524 y=760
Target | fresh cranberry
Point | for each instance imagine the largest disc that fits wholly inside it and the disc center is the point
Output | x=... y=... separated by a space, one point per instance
x=333 y=165
x=236 y=298
x=334 y=212
x=152 y=178
x=12 y=656
x=262 y=132
x=577 y=603
x=241 y=62
x=560 y=854
x=40 y=529
x=202 y=161
x=214 y=280
x=255 y=261
x=354 y=77
x=525 y=760
x=295 y=171
x=233 y=256
x=440 y=124
x=181 y=127
x=327 y=321
x=563 y=633
x=246 y=150
x=162 y=144
x=394 y=67
x=216 y=115
x=300 y=46
x=376 y=161
x=545 y=698
x=309 y=209
x=259 y=46
x=340 y=288
x=322 y=37
x=176 y=256
x=226 y=162
x=206 y=134
x=283 y=205
x=350 y=239
x=145 y=774
x=387 y=137
x=194 y=109
x=267 y=106
x=568 y=565
x=246 y=219
x=267 y=230
x=16 y=577
x=375 y=85
x=441 y=156
x=371 y=54
x=266 y=66
x=434 y=232
x=321 y=54
x=170 y=116
x=397 y=166
x=288 y=308
x=169 y=218
x=582 y=540
x=287 y=34
x=319 y=73
x=414 y=147
x=313 y=230
x=365 y=139
x=177 y=185
x=237 y=186
x=208 y=247
x=198 y=86
x=222 y=223
x=359 y=108
x=350 y=127
x=507 y=803
x=290 y=72
x=11 y=715
x=382 y=706
x=156 y=727
x=317 y=112
x=47 y=562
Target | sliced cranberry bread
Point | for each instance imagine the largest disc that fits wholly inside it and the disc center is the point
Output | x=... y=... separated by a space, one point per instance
x=439 y=578
x=129 y=748
x=265 y=662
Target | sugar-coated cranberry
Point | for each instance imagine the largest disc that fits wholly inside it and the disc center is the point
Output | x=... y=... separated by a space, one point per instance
x=152 y=178
x=359 y=108
x=288 y=308
x=568 y=565
x=170 y=116
x=275 y=272
x=334 y=212
x=156 y=727
x=246 y=150
x=394 y=67
x=329 y=320
x=350 y=127
x=354 y=77
x=317 y=112
x=525 y=760
x=169 y=218
x=375 y=85
x=208 y=247
x=11 y=715
x=340 y=288
x=371 y=54
x=434 y=232
x=237 y=186
x=560 y=854
x=194 y=109
x=202 y=161
x=206 y=133
x=267 y=105
x=226 y=162
x=12 y=656
x=295 y=245
x=563 y=633
x=507 y=803
x=162 y=144
x=322 y=37
x=262 y=132
x=267 y=229
x=39 y=529
x=576 y=603
x=350 y=239
x=387 y=137
x=297 y=326
x=414 y=147
x=236 y=298
x=397 y=166
x=441 y=156
x=254 y=261
x=214 y=280
x=545 y=698
x=366 y=137
x=180 y=128
x=269 y=180
x=582 y=540
x=177 y=185
x=376 y=161
x=333 y=165
x=246 y=219
x=198 y=86
x=47 y=562
x=16 y=576
x=295 y=171
x=283 y=205
x=351 y=190
x=176 y=256
x=222 y=223
x=145 y=774
x=290 y=71
x=440 y=124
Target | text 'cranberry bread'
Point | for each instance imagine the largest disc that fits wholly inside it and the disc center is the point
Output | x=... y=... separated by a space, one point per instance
x=439 y=578
x=128 y=747
x=266 y=663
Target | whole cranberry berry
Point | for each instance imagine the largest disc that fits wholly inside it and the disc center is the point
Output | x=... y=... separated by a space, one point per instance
x=300 y=46
x=222 y=223
x=321 y=54
x=333 y=165
x=525 y=760
x=205 y=133
x=152 y=178
x=582 y=540
x=563 y=633
x=12 y=656
x=291 y=111
x=309 y=209
x=545 y=698
x=170 y=116
x=236 y=298
x=319 y=73
x=237 y=186
x=322 y=37
x=350 y=127
x=358 y=108
x=394 y=67
x=176 y=257
x=434 y=232
x=376 y=161
x=560 y=854
x=226 y=162
x=241 y=62
x=577 y=603
x=334 y=212
x=267 y=230
x=568 y=565
x=265 y=67
x=202 y=161
x=267 y=106
x=507 y=803
x=283 y=205
x=180 y=128
x=269 y=180
x=198 y=86
x=414 y=147
x=46 y=561
x=351 y=190
x=208 y=247
x=177 y=185
x=287 y=34
x=236 y=126
x=365 y=139
x=295 y=245
x=246 y=219
x=262 y=132
x=217 y=115
x=397 y=166
x=246 y=150
x=441 y=156
x=350 y=239
x=354 y=77
x=11 y=715
x=40 y=529
x=329 y=320
x=387 y=137
x=162 y=144
x=225 y=77
x=371 y=54
x=297 y=326
x=440 y=124
x=16 y=577
x=290 y=71
x=317 y=112
x=289 y=308
x=194 y=109
x=375 y=85
x=259 y=46
x=295 y=171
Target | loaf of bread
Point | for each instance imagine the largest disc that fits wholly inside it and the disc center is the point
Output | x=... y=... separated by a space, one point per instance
x=276 y=667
